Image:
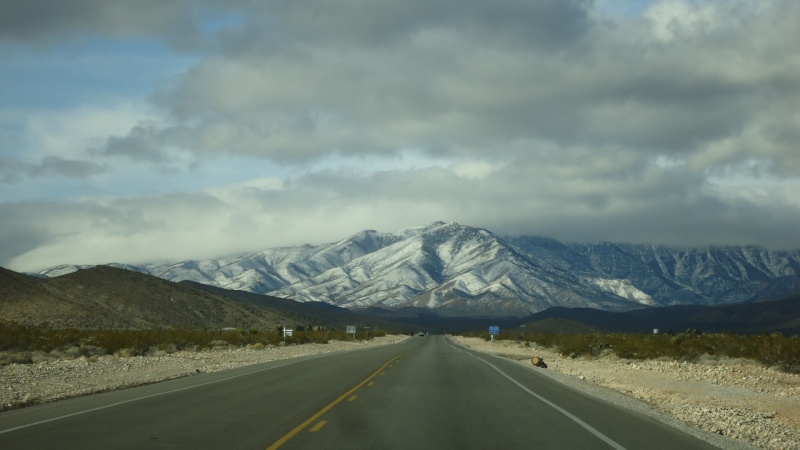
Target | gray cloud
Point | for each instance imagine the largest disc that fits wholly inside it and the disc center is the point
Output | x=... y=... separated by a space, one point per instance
x=143 y=143
x=12 y=169
x=48 y=20
x=363 y=22
x=54 y=165
x=676 y=127
x=338 y=79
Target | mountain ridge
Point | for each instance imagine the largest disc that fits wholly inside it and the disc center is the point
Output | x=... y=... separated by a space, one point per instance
x=458 y=270
x=105 y=297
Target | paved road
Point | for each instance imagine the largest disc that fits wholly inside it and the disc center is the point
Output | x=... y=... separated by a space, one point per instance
x=424 y=393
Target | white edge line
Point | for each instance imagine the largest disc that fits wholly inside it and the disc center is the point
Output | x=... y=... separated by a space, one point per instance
x=53 y=419
x=563 y=411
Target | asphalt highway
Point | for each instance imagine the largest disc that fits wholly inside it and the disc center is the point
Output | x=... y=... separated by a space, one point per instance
x=423 y=393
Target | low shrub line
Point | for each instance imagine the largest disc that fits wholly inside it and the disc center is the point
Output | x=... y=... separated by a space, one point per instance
x=772 y=350
x=21 y=343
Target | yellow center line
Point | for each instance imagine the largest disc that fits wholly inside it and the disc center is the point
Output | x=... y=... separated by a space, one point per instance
x=352 y=398
x=370 y=383
x=322 y=411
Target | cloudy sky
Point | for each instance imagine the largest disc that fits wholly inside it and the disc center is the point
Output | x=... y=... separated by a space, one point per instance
x=141 y=131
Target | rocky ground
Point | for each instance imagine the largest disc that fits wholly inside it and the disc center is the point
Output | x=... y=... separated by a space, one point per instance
x=755 y=406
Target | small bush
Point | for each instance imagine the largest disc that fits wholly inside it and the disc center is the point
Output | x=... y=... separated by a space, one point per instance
x=7 y=358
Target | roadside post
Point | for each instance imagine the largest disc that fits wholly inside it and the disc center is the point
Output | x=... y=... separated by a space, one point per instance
x=493 y=330
x=351 y=329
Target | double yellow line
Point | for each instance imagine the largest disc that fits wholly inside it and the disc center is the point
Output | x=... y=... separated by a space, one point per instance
x=322 y=411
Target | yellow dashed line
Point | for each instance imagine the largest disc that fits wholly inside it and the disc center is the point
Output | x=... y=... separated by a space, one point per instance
x=319 y=414
x=352 y=398
x=318 y=426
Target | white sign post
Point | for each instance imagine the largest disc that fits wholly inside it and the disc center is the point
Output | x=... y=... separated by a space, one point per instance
x=351 y=329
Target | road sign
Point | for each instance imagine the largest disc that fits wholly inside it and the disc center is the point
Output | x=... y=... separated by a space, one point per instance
x=287 y=332
x=351 y=329
x=494 y=330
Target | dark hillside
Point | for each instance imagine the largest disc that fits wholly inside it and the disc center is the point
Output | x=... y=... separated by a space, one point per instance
x=107 y=297
x=25 y=299
x=748 y=318
x=310 y=313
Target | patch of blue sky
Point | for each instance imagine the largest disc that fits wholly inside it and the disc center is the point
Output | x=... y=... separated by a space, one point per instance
x=93 y=70
x=622 y=8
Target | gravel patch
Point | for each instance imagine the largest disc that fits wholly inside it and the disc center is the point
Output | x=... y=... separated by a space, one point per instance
x=733 y=404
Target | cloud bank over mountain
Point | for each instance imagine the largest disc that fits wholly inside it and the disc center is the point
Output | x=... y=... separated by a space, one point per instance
x=135 y=131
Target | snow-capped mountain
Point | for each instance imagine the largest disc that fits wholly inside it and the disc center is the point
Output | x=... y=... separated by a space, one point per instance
x=461 y=270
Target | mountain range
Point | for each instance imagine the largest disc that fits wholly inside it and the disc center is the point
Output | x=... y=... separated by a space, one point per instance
x=454 y=270
x=105 y=297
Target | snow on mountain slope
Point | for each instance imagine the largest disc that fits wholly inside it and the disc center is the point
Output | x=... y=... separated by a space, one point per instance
x=461 y=270
x=272 y=269
x=448 y=267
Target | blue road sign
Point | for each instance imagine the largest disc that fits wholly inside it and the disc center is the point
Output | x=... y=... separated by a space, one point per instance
x=494 y=330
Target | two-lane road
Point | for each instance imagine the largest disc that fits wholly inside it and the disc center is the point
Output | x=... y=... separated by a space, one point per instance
x=425 y=393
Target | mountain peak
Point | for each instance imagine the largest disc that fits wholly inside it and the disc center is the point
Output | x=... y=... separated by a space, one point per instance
x=463 y=270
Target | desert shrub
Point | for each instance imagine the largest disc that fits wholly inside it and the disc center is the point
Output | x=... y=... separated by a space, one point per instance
x=167 y=347
x=7 y=358
x=18 y=341
x=72 y=352
x=775 y=350
x=40 y=356
x=92 y=350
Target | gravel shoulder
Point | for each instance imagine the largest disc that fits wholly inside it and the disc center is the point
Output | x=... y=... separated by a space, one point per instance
x=734 y=404
x=30 y=384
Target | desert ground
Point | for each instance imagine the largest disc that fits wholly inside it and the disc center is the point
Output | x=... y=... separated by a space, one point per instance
x=754 y=406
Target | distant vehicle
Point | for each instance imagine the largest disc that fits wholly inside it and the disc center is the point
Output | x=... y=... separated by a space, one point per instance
x=421 y=333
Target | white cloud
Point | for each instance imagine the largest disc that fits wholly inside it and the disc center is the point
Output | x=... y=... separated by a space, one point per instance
x=71 y=133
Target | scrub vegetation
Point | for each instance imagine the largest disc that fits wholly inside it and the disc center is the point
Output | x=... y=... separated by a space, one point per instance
x=772 y=350
x=28 y=344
